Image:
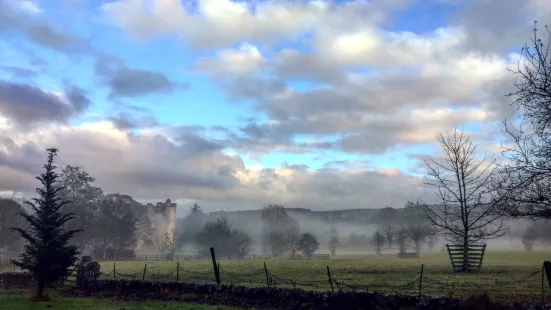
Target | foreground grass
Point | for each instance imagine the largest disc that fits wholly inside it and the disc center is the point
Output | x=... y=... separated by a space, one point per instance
x=504 y=273
x=19 y=302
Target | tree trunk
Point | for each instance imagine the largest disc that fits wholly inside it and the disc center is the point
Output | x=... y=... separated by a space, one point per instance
x=40 y=289
x=418 y=247
x=465 y=253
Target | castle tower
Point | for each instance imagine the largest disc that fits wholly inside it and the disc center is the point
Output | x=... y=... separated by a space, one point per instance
x=163 y=218
x=169 y=215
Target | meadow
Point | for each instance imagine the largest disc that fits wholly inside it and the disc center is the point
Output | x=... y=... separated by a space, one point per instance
x=503 y=274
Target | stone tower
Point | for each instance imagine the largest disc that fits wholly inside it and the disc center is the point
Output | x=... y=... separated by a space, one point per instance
x=163 y=218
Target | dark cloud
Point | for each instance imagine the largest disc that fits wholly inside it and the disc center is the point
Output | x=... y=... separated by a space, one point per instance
x=221 y=179
x=39 y=31
x=125 y=121
x=37 y=61
x=19 y=73
x=127 y=82
x=296 y=167
x=27 y=159
x=292 y=65
x=497 y=26
x=26 y=104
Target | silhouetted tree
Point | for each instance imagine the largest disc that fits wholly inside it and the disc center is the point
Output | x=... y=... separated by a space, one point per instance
x=402 y=240
x=389 y=232
x=378 y=241
x=170 y=244
x=241 y=243
x=276 y=222
x=47 y=253
x=523 y=184
x=417 y=233
x=465 y=211
x=10 y=240
x=227 y=241
x=334 y=241
x=293 y=237
x=276 y=242
x=388 y=214
x=529 y=238
x=308 y=244
x=116 y=225
x=432 y=237
x=84 y=200
x=192 y=223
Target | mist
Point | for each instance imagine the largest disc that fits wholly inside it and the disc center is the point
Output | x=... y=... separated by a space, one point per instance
x=362 y=223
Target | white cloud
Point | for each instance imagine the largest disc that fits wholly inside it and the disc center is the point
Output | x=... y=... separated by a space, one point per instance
x=27 y=6
x=244 y=60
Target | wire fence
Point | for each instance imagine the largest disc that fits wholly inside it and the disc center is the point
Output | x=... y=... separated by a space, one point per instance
x=532 y=284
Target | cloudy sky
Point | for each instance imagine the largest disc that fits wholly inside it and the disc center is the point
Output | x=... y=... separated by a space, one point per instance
x=236 y=104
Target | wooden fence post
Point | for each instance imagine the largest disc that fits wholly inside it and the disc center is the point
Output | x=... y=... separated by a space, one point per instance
x=267 y=278
x=542 y=285
x=178 y=272
x=114 y=272
x=547 y=268
x=215 y=267
x=144 y=270
x=329 y=277
x=421 y=281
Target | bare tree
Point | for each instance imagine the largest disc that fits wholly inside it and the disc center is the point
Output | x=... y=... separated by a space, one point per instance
x=170 y=243
x=465 y=211
x=523 y=184
x=402 y=240
x=432 y=238
x=389 y=232
x=529 y=238
x=334 y=241
x=378 y=241
x=276 y=222
x=418 y=234
x=293 y=238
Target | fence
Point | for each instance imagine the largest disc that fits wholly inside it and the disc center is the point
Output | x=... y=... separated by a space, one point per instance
x=474 y=257
x=530 y=285
x=198 y=257
x=7 y=266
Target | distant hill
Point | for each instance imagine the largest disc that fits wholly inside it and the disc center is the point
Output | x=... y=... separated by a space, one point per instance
x=345 y=215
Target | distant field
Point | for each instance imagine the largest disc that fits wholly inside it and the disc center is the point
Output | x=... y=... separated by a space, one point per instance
x=503 y=273
x=19 y=302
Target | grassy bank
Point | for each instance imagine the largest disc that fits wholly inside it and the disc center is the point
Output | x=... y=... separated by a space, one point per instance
x=20 y=302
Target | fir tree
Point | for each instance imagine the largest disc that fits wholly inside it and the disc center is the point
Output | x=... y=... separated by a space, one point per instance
x=47 y=254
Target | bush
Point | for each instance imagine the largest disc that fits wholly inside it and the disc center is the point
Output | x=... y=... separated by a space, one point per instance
x=12 y=280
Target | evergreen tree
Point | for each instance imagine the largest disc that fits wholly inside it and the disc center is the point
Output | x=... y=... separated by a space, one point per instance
x=47 y=253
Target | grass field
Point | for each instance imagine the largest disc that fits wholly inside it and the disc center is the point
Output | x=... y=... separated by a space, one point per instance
x=503 y=273
x=19 y=302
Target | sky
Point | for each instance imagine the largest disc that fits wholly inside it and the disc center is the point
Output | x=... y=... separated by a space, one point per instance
x=237 y=104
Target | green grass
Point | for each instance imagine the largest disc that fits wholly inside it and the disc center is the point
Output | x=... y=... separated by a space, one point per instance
x=19 y=302
x=503 y=273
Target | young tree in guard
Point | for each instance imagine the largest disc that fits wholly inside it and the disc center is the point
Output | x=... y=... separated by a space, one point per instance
x=465 y=212
x=47 y=254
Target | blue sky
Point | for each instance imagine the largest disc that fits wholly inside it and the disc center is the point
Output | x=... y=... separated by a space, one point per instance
x=278 y=84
